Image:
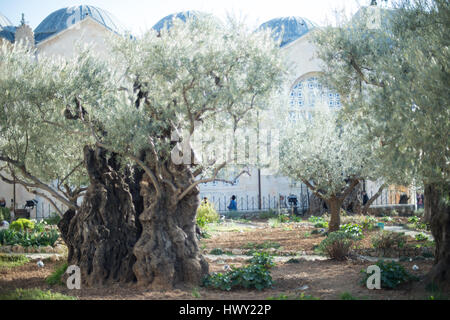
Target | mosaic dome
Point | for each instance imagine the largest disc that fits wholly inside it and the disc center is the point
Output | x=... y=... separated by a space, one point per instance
x=66 y=17
x=289 y=28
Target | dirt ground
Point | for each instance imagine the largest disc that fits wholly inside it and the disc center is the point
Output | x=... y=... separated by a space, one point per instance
x=326 y=279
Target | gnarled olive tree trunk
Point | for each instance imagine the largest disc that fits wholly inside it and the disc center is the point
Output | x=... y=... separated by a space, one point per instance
x=101 y=235
x=167 y=253
x=437 y=213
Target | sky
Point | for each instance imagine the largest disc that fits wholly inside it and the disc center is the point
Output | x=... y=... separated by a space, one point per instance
x=139 y=15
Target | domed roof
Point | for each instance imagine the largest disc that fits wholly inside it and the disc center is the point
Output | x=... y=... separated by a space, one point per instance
x=4 y=21
x=7 y=30
x=167 y=21
x=66 y=17
x=291 y=28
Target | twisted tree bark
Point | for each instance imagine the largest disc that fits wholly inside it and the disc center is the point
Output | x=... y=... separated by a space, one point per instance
x=101 y=235
x=167 y=253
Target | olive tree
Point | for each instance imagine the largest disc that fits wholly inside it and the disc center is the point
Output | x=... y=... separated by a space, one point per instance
x=195 y=72
x=329 y=156
x=394 y=77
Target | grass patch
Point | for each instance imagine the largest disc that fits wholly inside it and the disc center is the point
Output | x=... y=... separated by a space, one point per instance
x=34 y=294
x=12 y=261
x=302 y=296
x=55 y=277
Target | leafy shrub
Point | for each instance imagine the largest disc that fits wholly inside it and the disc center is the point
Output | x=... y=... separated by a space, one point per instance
x=53 y=219
x=413 y=219
x=385 y=240
x=419 y=212
x=421 y=237
x=386 y=219
x=369 y=223
x=206 y=214
x=315 y=219
x=392 y=274
x=22 y=225
x=353 y=230
x=39 y=227
x=274 y=222
x=216 y=251
x=254 y=276
x=27 y=239
x=337 y=245
x=55 y=277
x=262 y=258
x=321 y=224
x=5 y=214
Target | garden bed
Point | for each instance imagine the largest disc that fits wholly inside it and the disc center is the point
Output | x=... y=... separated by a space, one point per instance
x=292 y=275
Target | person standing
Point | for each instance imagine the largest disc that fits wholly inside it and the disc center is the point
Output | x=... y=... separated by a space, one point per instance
x=2 y=202
x=233 y=204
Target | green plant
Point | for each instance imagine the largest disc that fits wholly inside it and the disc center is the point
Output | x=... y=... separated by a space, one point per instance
x=385 y=240
x=419 y=212
x=315 y=219
x=34 y=294
x=39 y=227
x=347 y=296
x=413 y=219
x=274 y=222
x=353 y=230
x=392 y=274
x=262 y=258
x=5 y=214
x=28 y=239
x=216 y=251
x=369 y=223
x=206 y=214
x=421 y=226
x=22 y=225
x=55 y=277
x=337 y=245
x=321 y=224
x=53 y=219
x=421 y=237
x=254 y=276
x=11 y=261
x=195 y=293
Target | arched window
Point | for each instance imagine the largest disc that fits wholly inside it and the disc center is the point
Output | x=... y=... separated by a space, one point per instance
x=308 y=93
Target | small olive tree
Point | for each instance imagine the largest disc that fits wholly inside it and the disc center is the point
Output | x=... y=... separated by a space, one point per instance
x=329 y=156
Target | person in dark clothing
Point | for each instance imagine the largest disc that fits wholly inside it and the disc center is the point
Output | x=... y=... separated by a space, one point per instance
x=233 y=204
x=365 y=198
